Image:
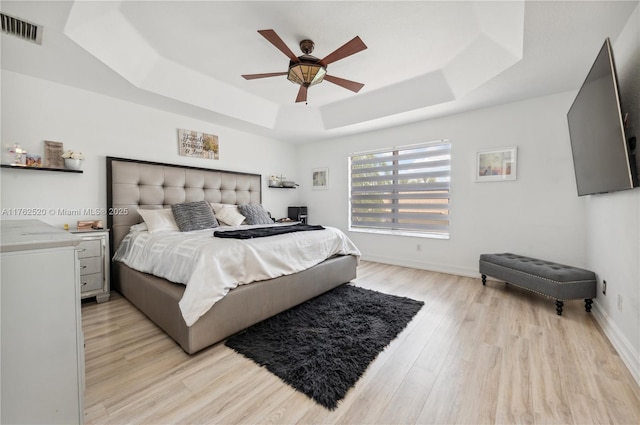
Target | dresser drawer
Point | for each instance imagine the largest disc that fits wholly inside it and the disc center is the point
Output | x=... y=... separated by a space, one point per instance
x=90 y=265
x=93 y=259
x=90 y=248
x=91 y=282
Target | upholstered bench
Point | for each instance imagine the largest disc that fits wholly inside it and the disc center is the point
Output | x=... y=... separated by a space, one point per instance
x=550 y=279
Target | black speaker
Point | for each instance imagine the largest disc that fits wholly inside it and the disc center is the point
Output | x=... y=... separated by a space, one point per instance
x=298 y=214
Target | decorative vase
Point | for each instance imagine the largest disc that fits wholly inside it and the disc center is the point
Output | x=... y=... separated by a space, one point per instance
x=73 y=164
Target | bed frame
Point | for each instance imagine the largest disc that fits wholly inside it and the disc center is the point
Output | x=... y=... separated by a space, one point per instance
x=134 y=184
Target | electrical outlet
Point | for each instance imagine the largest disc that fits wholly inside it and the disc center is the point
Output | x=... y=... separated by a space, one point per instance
x=604 y=287
x=418 y=247
x=619 y=302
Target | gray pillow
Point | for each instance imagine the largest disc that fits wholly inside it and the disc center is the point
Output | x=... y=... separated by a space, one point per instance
x=194 y=216
x=255 y=214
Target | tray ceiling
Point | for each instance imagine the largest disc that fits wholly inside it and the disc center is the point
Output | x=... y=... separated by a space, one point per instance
x=424 y=59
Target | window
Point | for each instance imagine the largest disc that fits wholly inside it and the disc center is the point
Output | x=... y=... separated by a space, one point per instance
x=401 y=190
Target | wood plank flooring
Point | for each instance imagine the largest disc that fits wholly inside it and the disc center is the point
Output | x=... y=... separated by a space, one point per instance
x=472 y=355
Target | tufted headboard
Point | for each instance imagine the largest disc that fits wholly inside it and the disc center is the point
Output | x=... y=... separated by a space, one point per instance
x=134 y=184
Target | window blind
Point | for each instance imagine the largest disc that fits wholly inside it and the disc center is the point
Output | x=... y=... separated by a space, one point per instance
x=401 y=189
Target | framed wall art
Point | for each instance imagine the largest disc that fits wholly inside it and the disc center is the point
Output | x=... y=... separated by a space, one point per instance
x=497 y=165
x=320 y=178
x=198 y=145
x=33 y=160
x=53 y=154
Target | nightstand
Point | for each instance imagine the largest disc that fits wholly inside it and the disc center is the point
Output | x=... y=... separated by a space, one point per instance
x=93 y=252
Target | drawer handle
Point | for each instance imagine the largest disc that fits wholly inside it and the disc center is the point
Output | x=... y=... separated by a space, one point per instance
x=82 y=249
x=83 y=267
x=84 y=283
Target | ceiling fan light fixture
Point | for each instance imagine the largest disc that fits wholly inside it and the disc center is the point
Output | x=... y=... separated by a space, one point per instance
x=307 y=70
x=306 y=73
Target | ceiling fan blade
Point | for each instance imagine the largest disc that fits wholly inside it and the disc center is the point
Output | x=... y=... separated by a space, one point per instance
x=350 y=48
x=347 y=84
x=302 y=94
x=271 y=74
x=274 y=39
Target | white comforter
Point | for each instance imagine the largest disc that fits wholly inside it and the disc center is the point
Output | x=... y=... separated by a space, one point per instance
x=210 y=267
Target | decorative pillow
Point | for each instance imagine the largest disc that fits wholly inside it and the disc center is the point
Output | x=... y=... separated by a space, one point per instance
x=255 y=214
x=194 y=216
x=229 y=215
x=140 y=227
x=159 y=220
x=216 y=206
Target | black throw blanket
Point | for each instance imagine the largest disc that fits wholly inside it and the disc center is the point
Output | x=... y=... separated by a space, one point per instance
x=261 y=232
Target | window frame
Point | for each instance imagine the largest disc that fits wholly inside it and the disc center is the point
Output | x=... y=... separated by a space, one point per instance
x=440 y=189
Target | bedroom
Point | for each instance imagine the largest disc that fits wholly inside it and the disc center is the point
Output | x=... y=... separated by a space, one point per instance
x=538 y=214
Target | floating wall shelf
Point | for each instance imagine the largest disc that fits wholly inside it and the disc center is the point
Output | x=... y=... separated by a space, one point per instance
x=22 y=167
x=281 y=187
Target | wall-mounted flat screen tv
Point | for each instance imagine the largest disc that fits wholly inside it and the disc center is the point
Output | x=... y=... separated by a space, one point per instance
x=601 y=156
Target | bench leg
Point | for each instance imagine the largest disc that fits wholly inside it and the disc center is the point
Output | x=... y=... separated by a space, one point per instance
x=587 y=304
x=484 y=280
x=559 y=305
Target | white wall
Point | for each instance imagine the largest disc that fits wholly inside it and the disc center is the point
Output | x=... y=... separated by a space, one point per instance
x=539 y=214
x=613 y=229
x=34 y=110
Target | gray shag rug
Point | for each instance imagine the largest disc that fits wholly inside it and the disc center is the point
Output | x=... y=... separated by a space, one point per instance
x=323 y=346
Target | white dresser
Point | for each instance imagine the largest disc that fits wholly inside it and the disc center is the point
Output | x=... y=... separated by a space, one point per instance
x=42 y=351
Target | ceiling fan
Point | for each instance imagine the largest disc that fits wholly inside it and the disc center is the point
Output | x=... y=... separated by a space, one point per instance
x=307 y=70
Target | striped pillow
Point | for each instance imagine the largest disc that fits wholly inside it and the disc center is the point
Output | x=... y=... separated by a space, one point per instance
x=194 y=216
x=255 y=214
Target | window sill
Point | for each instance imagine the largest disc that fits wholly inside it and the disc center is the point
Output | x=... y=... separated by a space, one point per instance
x=427 y=235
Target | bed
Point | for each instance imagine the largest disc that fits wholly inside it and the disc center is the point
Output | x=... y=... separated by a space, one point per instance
x=134 y=184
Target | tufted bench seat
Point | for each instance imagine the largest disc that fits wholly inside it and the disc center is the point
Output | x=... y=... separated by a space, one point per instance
x=553 y=280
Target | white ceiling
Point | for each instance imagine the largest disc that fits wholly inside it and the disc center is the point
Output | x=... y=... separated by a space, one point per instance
x=424 y=58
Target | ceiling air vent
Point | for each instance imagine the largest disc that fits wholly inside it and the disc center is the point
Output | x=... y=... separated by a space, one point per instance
x=20 y=28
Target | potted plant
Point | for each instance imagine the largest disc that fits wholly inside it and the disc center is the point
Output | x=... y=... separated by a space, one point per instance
x=73 y=160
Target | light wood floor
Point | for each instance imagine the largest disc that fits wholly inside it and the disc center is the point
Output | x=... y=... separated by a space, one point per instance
x=472 y=355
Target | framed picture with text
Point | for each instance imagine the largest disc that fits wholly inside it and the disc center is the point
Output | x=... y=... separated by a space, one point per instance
x=197 y=144
x=53 y=154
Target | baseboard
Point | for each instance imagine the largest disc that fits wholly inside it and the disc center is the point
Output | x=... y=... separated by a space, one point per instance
x=422 y=265
x=621 y=344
